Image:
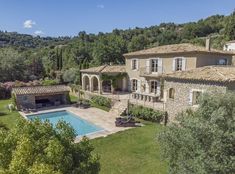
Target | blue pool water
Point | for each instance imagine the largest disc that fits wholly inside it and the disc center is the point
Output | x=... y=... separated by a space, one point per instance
x=82 y=127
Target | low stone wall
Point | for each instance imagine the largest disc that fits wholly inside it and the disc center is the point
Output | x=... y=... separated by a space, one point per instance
x=181 y=100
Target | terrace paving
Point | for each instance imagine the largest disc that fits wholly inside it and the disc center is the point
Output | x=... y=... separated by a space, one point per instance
x=103 y=119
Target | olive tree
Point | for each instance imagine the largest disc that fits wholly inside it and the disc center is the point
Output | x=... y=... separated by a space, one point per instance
x=38 y=147
x=202 y=141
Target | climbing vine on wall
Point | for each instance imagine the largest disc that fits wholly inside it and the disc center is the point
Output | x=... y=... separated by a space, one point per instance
x=113 y=78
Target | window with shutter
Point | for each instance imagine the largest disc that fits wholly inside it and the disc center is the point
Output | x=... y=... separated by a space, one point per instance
x=154 y=87
x=134 y=64
x=154 y=65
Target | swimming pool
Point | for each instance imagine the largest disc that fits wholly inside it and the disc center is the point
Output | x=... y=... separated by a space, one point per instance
x=81 y=126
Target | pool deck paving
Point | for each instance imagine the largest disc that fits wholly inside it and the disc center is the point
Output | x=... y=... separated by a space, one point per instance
x=98 y=117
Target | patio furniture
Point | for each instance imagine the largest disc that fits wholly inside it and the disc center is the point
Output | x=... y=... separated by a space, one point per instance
x=126 y=122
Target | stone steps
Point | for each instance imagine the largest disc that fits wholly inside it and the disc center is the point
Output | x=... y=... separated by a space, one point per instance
x=118 y=108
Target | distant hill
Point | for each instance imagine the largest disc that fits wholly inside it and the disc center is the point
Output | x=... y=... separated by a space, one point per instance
x=165 y=33
x=28 y=41
x=40 y=57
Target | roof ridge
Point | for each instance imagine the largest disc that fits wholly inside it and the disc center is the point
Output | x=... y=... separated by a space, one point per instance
x=103 y=67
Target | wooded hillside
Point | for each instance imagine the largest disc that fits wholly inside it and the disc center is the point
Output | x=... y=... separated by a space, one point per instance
x=24 y=57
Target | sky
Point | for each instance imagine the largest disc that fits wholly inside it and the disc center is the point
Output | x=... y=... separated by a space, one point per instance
x=69 y=17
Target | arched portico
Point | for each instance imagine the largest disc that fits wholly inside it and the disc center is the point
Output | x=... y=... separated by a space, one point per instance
x=95 y=87
x=86 y=83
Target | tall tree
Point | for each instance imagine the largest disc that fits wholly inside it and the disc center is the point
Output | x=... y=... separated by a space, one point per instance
x=12 y=65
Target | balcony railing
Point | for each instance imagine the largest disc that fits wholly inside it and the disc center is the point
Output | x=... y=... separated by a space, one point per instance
x=144 y=71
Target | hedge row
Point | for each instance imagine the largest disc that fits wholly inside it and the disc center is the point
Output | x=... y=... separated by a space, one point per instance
x=101 y=101
x=146 y=113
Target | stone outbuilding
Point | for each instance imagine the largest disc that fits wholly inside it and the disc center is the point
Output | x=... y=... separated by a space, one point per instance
x=35 y=97
x=182 y=90
x=105 y=79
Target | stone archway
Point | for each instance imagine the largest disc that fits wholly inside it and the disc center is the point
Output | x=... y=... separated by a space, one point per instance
x=86 y=83
x=94 y=84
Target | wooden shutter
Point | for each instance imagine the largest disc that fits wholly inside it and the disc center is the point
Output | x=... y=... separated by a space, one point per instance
x=137 y=64
x=139 y=85
x=183 y=64
x=158 y=88
x=131 y=64
x=160 y=67
x=173 y=64
x=148 y=66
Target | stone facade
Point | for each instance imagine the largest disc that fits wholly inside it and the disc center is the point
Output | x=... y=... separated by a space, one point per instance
x=29 y=100
x=166 y=64
x=182 y=94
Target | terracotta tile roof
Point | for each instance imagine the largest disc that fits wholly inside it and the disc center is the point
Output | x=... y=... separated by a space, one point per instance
x=40 y=89
x=94 y=69
x=207 y=73
x=106 y=69
x=177 y=48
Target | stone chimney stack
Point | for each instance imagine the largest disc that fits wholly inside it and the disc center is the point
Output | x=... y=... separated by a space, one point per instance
x=208 y=44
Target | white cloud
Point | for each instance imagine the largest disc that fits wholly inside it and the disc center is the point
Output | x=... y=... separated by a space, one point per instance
x=29 y=23
x=100 y=6
x=38 y=32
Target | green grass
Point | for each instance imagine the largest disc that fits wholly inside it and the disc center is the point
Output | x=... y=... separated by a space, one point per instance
x=132 y=151
x=8 y=118
x=73 y=98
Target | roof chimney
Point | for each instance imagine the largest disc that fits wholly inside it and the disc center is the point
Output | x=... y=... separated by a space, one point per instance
x=208 y=44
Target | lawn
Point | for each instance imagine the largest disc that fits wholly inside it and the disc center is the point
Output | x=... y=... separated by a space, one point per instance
x=132 y=151
x=8 y=118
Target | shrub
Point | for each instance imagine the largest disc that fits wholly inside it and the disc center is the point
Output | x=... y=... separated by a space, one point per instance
x=39 y=147
x=70 y=75
x=146 y=113
x=102 y=101
x=2 y=125
x=48 y=82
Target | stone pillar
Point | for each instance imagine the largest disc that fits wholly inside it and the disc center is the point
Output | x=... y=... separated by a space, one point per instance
x=124 y=84
x=99 y=86
x=90 y=85
x=83 y=83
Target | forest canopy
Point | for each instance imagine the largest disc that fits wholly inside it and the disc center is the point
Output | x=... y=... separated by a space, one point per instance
x=25 y=58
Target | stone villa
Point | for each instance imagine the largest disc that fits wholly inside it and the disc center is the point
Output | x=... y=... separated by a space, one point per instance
x=183 y=89
x=159 y=77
